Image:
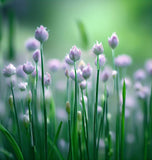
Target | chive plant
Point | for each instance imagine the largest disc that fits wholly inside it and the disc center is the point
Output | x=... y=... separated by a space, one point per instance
x=85 y=125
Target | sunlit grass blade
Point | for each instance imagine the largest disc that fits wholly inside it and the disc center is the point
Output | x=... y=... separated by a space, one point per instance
x=13 y=143
x=123 y=122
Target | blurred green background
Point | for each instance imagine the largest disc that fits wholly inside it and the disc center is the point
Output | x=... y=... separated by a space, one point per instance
x=81 y=23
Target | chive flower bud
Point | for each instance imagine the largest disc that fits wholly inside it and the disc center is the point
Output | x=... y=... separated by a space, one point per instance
x=41 y=34
x=86 y=72
x=68 y=60
x=79 y=75
x=9 y=70
x=75 y=54
x=113 y=41
x=54 y=65
x=105 y=76
x=114 y=73
x=47 y=79
x=83 y=85
x=32 y=44
x=67 y=73
x=98 y=48
x=68 y=107
x=28 y=68
x=81 y=65
x=22 y=86
x=36 y=55
x=102 y=60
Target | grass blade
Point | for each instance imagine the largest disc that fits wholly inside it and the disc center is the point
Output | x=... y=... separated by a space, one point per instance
x=13 y=143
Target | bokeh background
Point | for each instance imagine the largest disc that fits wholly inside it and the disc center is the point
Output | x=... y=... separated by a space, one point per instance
x=80 y=23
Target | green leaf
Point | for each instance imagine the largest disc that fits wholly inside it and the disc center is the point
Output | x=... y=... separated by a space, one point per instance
x=58 y=132
x=83 y=34
x=12 y=142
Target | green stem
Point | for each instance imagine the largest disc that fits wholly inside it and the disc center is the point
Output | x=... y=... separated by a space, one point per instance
x=16 y=116
x=79 y=135
x=123 y=122
x=86 y=121
x=70 y=150
x=44 y=104
x=96 y=105
x=67 y=98
x=117 y=117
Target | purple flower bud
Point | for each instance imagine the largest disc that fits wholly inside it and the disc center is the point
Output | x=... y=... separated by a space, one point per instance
x=105 y=75
x=41 y=34
x=19 y=72
x=102 y=60
x=32 y=44
x=9 y=70
x=22 y=86
x=68 y=60
x=83 y=84
x=79 y=75
x=47 y=79
x=28 y=68
x=86 y=72
x=140 y=75
x=36 y=55
x=98 y=48
x=113 y=41
x=114 y=73
x=123 y=61
x=137 y=86
x=148 y=66
x=75 y=54
x=54 y=65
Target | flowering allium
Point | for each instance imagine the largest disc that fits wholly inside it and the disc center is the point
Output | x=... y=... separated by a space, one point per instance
x=28 y=68
x=113 y=41
x=86 y=72
x=123 y=61
x=19 y=72
x=22 y=86
x=105 y=75
x=9 y=70
x=83 y=84
x=102 y=60
x=79 y=75
x=68 y=60
x=114 y=73
x=143 y=92
x=140 y=75
x=47 y=79
x=41 y=34
x=54 y=65
x=148 y=66
x=67 y=73
x=75 y=54
x=32 y=44
x=36 y=55
x=98 y=48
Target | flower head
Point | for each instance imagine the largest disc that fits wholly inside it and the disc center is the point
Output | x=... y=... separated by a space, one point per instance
x=79 y=75
x=98 y=48
x=140 y=75
x=54 y=65
x=41 y=34
x=123 y=61
x=9 y=70
x=83 y=84
x=75 y=54
x=36 y=55
x=102 y=60
x=47 y=79
x=22 y=86
x=86 y=72
x=28 y=68
x=113 y=41
x=68 y=60
x=32 y=44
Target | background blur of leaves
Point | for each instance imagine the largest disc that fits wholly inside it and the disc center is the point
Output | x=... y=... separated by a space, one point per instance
x=82 y=23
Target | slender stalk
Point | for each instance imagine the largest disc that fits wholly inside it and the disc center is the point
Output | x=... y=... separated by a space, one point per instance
x=86 y=122
x=67 y=94
x=117 y=118
x=113 y=58
x=79 y=135
x=101 y=125
x=44 y=104
x=70 y=150
x=95 y=109
x=16 y=116
x=74 y=138
x=123 y=122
